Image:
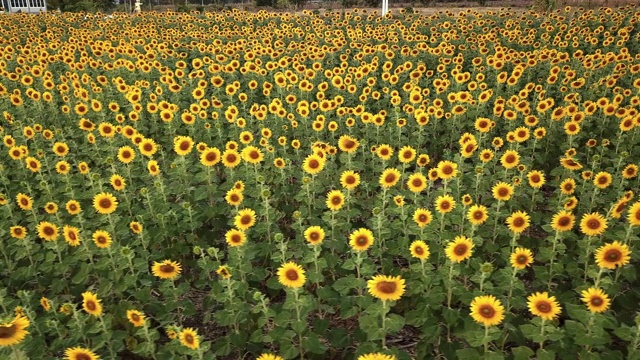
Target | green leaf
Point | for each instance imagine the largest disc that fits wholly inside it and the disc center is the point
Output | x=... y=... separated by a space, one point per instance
x=467 y=354
x=522 y=353
x=394 y=323
x=312 y=343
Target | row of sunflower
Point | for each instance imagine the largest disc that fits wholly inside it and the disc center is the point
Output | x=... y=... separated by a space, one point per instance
x=336 y=185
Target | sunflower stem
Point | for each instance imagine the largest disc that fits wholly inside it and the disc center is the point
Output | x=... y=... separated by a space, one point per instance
x=108 y=334
x=495 y=223
x=513 y=277
x=450 y=287
x=297 y=304
x=542 y=334
x=486 y=339
x=384 y=324
x=586 y=259
x=553 y=257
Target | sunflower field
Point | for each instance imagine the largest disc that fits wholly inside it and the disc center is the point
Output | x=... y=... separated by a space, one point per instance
x=340 y=185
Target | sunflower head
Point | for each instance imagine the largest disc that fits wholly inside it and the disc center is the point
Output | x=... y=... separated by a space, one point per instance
x=166 y=269
x=291 y=275
x=419 y=250
x=361 y=239
x=544 y=306
x=459 y=249
x=521 y=258
x=487 y=310
x=386 y=288
x=596 y=300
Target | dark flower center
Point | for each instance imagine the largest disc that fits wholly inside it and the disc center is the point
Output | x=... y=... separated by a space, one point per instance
x=613 y=255
x=167 y=268
x=487 y=311
x=597 y=301
x=593 y=224
x=518 y=222
x=543 y=307
x=105 y=203
x=48 y=230
x=292 y=275
x=460 y=249
x=387 y=287
x=245 y=219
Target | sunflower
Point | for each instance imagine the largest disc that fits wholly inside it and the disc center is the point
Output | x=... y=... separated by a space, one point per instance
x=459 y=249
x=510 y=159
x=477 y=214
x=166 y=269
x=224 y=272
x=135 y=317
x=335 y=200
x=47 y=231
x=314 y=235
x=376 y=356
x=24 y=201
x=384 y=152
x=102 y=239
x=18 y=232
x=147 y=147
x=33 y=164
x=73 y=207
x=136 y=227
x=389 y=178
x=252 y=155
x=570 y=203
x=398 y=200
x=348 y=144
x=189 y=338
x=502 y=191
x=182 y=145
x=349 y=179
x=563 y=221
x=45 y=303
x=447 y=170
x=518 y=222
x=234 y=197
x=117 y=182
x=361 y=239
x=445 y=204
x=126 y=154
x=60 y=149
x=386 y=288
x=406 y=154
x=610 y=256
x=596 y=300
x=245 y=219
x=630 y=171
x=536 y=179
x=487 y=310
x=153 y=168
x=422 y=217
x=521 y=258
x=291 y=275
x=419 y=250
x=570 y=164
x=210 y=156
x=540 y=304
x=416 y=183
x=13 y=332
x=235 y=237
x=313 y=164
x=91 y=303
x=71 y=235
x=593 y=224
x=633 y=214
x=269 y=357
x=105 y=203
x=568 y=186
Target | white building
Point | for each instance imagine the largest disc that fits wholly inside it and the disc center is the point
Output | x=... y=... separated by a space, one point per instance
x=25 y=6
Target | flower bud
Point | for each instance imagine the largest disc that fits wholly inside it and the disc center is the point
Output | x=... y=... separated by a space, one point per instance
x=486 y=268
x=143 y=191
x=212 y=251
x=279 y=237
x=197 y=250
x=376 y=211
x=297 y=215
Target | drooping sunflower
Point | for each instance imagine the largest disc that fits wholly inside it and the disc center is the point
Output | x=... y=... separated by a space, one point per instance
x=570 y=164
x=445 y=204
x=47 y=231
x=24 y=201
x=313 y=164
x=79 y=353
x=593 y=224
x=447 y=170
x=291 y=275
x=416 y=183
x=419 y=250
x=633 y=214
x=386 y=288
x=389 y=178
x=602 y=180
x=518 y=222
x=349 y=179
x=502 y=191
x=544 y=306
x=314 y=235
x=596 y=300
x=166 y=269
x=487 y=310
x=91 y=303
x=105 y=203
x=224 y=272
x=14 y=332
x=71 y=235
x=521 y=258
x=45 y=303
x=234 y=197
x=477 y=214
x=376 y=356
x=235 y=237
x=136 y=227
x=422 y=217
x=182 y=145
x=563 y=221
x=135 y=317
x=189 y=338
x=210 y=157
x=361 y=239
x=459 y=249
x=335 y=200
x=18 y=232
x=611 y=255
x=245 y=219
x=266 y=356
x=102 y=239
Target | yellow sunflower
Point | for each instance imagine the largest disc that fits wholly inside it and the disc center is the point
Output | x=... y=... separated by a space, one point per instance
x=416 y=183
x=135 y=317
x=518 y=222
x=593 y=224
x=459 y=249
x=477 y=214
x=611 y=255
x=73 y=207
x=602 y=179
x=79 y=353
x=117 y=182
x=313 y=164
x=510 y=159
x=224 y=272
x=291 y=275
x=349 y=179
x=540 y=304
x=361 y=239
x=536 y=179
x=252 y=155
x=210 y=157
x=633 y=214
x=314 y=235
x=71 y=235
x=102 y=239
x=502 y=191
x=14 y=332
x=105 y=203
x=335 y=200
x=47 y=231
x=91 y=303
x=419 y=250
x=189 y=338
x=389 y=178
x=386 y=288
x=18 y=232
x=445 y=204
x=521 y=258
x=487 y=310
x=126 y=154
x=376 y=356
x=182 y=145
x=235 y=237
x=166 y=269
x=25 y=202
x=447 y=170
x=563 y=221
x=422 y=217
x=245 y=219
x=596 y=300
x=269 y=357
